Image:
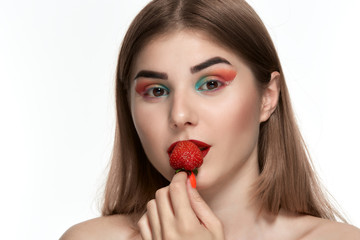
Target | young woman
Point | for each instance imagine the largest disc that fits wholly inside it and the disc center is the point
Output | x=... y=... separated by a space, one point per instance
x=207 y=71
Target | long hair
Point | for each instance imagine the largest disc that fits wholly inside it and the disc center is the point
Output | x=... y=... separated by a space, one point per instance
x=286 y=179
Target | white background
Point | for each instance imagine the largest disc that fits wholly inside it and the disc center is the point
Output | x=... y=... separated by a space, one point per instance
x=57 y=65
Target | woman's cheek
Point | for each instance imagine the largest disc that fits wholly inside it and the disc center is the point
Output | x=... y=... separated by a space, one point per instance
x=153 y=136
x=144 y=114
x=237 y=121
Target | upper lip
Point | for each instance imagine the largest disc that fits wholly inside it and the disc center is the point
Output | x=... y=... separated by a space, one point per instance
x=204 y=147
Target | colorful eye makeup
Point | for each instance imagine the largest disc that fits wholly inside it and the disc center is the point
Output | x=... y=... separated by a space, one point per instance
x=226 y=74
x=151 y=89
x=212 y=81
x=216 y=80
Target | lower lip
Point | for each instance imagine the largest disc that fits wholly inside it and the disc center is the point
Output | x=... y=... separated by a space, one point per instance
x=204 y=152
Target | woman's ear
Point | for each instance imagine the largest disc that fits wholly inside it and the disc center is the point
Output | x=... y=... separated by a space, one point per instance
x=270 y=97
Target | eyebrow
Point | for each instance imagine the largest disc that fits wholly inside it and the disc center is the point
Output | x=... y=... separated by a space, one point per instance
x=208 y=63
x=151 y=74
x=160 y=75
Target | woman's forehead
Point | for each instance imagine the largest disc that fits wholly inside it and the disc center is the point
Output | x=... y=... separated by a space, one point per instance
x=189 y=47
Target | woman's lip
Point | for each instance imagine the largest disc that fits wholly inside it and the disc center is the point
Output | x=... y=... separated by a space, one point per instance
x=204 y=147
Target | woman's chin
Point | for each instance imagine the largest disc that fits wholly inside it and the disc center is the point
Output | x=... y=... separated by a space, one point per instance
x=206 y=180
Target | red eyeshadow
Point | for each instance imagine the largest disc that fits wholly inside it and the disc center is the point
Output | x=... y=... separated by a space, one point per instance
x=141 y=85
x=226 y=74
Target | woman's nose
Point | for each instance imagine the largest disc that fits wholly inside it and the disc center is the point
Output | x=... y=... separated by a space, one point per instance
x=183 y=112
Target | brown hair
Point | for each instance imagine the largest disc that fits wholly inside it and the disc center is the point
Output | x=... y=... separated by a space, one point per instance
x=286 y=180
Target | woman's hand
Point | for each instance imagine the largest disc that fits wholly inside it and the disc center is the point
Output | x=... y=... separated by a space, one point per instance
x=179 y=212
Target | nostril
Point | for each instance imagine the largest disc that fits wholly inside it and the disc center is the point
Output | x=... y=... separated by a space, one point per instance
x=177 y=124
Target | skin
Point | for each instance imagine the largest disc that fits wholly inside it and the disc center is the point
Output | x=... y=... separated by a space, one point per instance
x=227 y=117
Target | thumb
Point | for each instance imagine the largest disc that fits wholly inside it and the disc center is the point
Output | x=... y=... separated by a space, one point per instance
x=201 y=209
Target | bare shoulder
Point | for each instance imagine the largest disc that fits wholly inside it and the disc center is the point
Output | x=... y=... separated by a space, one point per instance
x=322 y=229
x=117 y=227
x=304 y=227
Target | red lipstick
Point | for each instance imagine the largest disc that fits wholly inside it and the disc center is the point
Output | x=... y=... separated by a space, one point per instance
x=204 y=148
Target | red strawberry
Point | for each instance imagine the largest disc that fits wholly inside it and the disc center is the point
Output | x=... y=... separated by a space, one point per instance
x=186 y=155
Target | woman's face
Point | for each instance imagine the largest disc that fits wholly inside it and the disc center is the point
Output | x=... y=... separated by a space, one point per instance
x=185 y=86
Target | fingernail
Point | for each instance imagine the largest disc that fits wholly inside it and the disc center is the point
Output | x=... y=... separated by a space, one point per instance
x=192 y=180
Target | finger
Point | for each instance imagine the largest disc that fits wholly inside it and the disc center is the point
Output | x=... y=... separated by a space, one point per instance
x=202 y=210
x=164 y=207
x=179 y=197
x=144 y=226
x=153 y=216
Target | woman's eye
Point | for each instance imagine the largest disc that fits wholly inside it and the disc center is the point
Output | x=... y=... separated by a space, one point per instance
x=157 y=91
x=209 y=85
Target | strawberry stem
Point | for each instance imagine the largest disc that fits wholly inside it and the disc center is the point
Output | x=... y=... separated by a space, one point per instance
x=195 y=171
x=180 y=170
